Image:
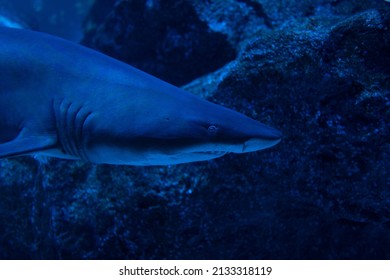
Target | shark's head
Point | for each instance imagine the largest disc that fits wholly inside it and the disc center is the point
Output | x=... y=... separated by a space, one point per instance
x=106 y=111
x=181 y=131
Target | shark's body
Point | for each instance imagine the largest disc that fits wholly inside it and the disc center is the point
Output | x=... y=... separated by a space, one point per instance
x=63 y=100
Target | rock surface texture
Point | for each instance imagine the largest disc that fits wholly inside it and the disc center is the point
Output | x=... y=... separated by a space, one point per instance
x=318 y=70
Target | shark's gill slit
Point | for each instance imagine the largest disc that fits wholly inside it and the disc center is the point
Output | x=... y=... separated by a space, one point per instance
x=71 y=124
x=58 y=113
x=74 y=132
x=80 y=136
x=69 y=148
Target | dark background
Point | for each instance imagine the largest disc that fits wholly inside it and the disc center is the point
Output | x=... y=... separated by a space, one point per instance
x=317 y=69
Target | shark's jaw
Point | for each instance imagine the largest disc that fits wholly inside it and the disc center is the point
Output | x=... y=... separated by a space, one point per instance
x=146 y=156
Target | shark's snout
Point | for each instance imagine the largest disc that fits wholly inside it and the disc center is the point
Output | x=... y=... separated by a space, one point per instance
x=265 y=137
x=270 y=133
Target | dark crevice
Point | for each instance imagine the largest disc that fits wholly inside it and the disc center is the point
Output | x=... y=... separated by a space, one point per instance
x=259 y=10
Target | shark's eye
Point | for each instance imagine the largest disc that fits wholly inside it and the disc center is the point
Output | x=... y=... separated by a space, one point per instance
x=212 y=130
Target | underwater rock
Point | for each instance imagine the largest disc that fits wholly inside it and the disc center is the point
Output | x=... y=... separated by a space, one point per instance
x=179 y=41
x=327 y=89
x=164 y=38
x=60 y=18
x=322 y=193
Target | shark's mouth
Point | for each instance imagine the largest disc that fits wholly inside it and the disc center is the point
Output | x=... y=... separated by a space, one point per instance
x=214 y=153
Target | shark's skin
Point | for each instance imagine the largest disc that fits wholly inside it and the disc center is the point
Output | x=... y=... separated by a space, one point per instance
x=63 y=100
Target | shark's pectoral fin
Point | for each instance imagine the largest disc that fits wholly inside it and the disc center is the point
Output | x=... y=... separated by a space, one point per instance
x=23 y=145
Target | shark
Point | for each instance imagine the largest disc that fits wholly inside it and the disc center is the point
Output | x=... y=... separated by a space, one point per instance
x=60 y=99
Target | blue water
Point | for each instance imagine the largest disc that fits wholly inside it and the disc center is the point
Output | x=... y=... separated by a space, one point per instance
x=318 y=70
